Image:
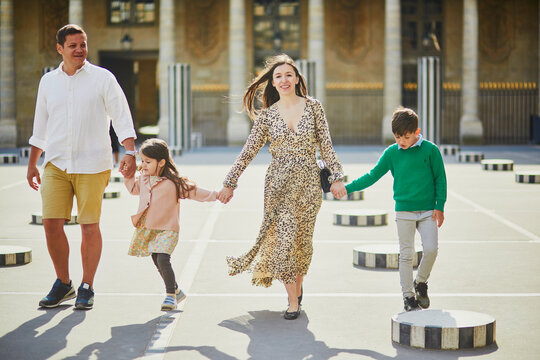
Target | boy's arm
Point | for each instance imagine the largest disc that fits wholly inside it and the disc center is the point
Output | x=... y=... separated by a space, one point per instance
x=370 y=178
x=439 y=179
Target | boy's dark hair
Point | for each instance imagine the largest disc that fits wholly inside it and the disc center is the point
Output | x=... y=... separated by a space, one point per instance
x=404 y=121
x=66 y=30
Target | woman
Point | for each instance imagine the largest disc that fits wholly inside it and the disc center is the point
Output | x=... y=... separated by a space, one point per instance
x=295 y=125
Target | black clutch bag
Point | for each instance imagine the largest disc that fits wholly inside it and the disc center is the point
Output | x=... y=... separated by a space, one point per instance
x=324 y=174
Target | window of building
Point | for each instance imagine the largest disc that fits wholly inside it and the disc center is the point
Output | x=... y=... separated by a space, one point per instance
x=132 y=11
x=276 y=29
x=421 y=35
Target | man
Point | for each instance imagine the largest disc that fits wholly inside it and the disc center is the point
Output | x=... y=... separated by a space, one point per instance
x=71 y=124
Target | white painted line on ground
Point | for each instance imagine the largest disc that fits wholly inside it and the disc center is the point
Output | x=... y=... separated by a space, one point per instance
x=499 y=218
x=156 y=349
x=241 y=295
x=5 y=187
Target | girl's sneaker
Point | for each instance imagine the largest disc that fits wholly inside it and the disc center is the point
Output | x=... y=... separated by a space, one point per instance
x=179 y=295
x=169 y=303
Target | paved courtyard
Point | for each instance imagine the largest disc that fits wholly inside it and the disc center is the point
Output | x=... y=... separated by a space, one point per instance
x=488 y=262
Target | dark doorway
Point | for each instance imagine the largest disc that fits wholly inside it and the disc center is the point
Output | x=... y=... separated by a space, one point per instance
x=135 y=71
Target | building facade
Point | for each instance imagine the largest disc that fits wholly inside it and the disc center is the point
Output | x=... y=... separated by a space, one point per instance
x=365 y=53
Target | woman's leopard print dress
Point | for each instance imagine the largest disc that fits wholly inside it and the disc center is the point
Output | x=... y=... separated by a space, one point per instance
x=292 y=192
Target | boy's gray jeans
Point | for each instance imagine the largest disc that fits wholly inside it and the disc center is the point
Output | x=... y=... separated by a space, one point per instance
x=407 y=223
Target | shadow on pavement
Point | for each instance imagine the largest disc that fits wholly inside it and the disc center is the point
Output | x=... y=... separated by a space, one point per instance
x=126 y=342
x=26 y=342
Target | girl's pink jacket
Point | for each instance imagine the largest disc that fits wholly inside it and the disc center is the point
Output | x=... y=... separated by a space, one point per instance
x=161 y=202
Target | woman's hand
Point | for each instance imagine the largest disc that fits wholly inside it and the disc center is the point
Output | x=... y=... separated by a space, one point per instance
x=338 y=189
x=225 y=195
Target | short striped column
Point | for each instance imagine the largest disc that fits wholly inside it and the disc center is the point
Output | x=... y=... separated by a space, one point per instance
x=528 y=177
x=470 y=157
x=360 y=217
x=37 y=219
x=15 y=255
x=384 y=256
x=9 y=158
x=354 y=196
x=449 y=149
x=116 y=177
x=111 y=192
x=443 y=329
x=497 y=164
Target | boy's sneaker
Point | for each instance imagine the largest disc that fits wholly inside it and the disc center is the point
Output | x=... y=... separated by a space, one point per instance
x=179 y=295
x=410 y=304
x=169 y=303
x=421 y=294
x=85 y=297
x=59 y=293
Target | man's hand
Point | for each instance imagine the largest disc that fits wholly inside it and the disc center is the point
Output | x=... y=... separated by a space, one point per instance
x=338 y=189
x=32 y=173
x=225 y=195
x=127 y=166
x=438 y=216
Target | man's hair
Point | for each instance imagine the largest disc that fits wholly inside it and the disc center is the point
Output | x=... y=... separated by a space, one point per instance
x=404 y=121
x=66 y=30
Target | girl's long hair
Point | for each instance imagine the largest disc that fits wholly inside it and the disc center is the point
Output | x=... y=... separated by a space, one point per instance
x=261 y=87
x=157 y=149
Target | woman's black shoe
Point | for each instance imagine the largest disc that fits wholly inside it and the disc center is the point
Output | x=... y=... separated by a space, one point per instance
x=292 y=315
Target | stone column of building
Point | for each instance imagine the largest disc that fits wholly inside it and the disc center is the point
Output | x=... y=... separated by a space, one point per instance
x=392 y=66
x=166 y=57
x=470 y=129
x=8 y=122
x=316 y=45
x=238 y=125
x=76 y=12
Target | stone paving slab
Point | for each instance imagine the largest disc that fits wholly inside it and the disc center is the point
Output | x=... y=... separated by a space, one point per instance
x=487 y=263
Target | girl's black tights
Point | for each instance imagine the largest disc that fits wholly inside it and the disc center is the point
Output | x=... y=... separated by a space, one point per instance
x=163 y=264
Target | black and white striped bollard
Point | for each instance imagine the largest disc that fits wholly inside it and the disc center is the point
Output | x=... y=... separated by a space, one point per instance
x=9 y=158
x=443 y=329
x=37 y=219
x=111 y=192
x=384 y=256
x=470 y=157
x=15 y=255
x=497 y=164
x=360 y=217
x=354 y=196
x=449 y=149
x=528 y=177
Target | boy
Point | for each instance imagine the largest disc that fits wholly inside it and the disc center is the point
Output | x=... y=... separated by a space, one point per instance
x=420 y=193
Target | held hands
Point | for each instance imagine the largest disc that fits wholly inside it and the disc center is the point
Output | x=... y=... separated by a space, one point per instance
x=338 y=189
x=127 y=166
x=438 y=216
x=225 y=195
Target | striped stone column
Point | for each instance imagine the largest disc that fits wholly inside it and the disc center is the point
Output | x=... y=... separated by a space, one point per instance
x=316 y=46
x=8 y=122
x=392 y=66
x=166 y=58
x=76 y=12
x=238 y=124
x=470 y=130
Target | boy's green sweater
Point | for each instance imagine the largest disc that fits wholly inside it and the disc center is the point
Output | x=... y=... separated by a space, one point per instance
x=419 y=176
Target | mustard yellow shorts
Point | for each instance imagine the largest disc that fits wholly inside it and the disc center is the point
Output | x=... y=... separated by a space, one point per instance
x=58 y=188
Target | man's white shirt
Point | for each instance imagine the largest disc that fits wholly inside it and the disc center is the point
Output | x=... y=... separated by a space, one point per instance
x=72 y=118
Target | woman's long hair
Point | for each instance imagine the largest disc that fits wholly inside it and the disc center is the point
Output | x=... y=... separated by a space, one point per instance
x=157 y=149
x=261 y=87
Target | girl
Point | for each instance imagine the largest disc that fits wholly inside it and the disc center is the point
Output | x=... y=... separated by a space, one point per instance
x=160 y=188
x=295 y=125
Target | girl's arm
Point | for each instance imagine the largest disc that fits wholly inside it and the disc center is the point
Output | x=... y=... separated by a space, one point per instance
x=202 y=195
x=133 y=185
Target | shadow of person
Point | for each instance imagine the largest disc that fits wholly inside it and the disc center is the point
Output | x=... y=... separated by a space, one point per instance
x=126 y=342
x=16 y=344
x=272 y=337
